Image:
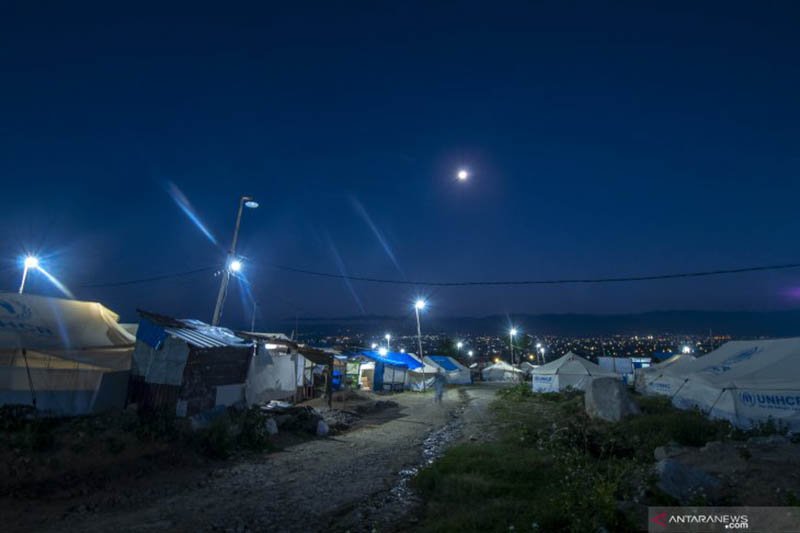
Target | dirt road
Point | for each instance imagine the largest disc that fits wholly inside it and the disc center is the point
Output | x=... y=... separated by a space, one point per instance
x=355 y=481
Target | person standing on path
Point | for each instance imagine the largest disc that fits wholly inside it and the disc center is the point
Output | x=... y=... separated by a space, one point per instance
x=438 y=387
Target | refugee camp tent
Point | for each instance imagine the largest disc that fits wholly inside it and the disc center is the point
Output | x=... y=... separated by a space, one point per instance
x=568 y=371
x=646 y=376
x=744 y=382
x=453 y=371
x=422 y=378
x=187 y=365
x=502 y=371
x=527 y=368
x=66 y=357
x=389 y=370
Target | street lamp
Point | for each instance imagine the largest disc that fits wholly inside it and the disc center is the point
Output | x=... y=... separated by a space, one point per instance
x=462 y=174
x=419 y=305
x=470 y=353
x=388 y=338
x=30 y=262
x=232 y=264
x=511 y=333
x=459 y=345
x=374 y=345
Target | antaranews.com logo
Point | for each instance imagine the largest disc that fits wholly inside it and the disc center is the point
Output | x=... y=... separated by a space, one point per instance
x=712 y=519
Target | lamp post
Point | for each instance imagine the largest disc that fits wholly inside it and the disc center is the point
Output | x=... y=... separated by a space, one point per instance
x=511 y=333
x=232 y=264
x=30 y=262
x=419 y=305
x=388 y=338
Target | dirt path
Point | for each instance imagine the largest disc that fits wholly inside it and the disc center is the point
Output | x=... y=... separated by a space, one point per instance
x=348 y=482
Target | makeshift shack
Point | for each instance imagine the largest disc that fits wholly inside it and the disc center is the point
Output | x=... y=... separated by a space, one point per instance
x=502 y=371
x=568 y=371
x=454 y=372
x=187 y=365
x=65 y=357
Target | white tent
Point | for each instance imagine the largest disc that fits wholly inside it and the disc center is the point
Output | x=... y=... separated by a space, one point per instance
x=502 y=371
x=422 y=378
x=454 y=372
x=745 y=382
x=568 y=371
x=646 y=376
x=67 y=357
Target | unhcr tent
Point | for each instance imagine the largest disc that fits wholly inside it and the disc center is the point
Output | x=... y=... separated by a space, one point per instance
x=568 y=371
x=744 y=382
x=66 y=357
x=453 y=371
x=502 y=371
x=646 y=376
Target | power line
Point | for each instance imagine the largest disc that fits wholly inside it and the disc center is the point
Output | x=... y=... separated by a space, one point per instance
x=147 y=280
x=566 y=281
x=489 y=283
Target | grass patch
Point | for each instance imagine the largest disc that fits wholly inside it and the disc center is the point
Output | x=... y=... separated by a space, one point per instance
x=552 y=468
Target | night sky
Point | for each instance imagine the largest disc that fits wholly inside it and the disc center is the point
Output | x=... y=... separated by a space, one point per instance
x=603 y=139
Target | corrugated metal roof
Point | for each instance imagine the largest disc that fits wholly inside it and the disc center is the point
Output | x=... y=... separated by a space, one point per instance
x=196 y=333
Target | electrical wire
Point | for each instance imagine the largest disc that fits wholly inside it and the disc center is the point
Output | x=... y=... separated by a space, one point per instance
x=488 y=283
x=654 y=277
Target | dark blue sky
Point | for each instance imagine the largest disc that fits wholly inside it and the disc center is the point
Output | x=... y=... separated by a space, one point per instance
x=604 y=139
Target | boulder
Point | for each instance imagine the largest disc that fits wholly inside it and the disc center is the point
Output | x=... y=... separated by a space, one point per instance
x=687 y=483
x=670 y=450
x=270 y=426
x=608 y=399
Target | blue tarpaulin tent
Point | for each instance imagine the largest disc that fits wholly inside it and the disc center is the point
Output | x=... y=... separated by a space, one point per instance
x=455 y=373
x=393 y=358
x=390 y=371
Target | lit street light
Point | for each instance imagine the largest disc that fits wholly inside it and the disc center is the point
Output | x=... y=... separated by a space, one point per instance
x=470 y=353
x=374 y=345
x=30 y=263
x=388 y=338
x=462 y=174
x=419 y=305
x=382 y=351
x=512 y=332
x=459 y=345
x=232 y=264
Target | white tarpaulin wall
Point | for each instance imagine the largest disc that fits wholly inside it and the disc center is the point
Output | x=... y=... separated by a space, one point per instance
x=422 y=378
x=71 y=356
x=745 y=382
x=502 y=371
x=273 y=375
x=569 y=371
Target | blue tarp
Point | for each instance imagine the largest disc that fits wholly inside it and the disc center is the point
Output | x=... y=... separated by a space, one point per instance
x=393 y=358
x=444 y=362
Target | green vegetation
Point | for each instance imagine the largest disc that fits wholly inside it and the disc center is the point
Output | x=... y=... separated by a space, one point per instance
x=551 y=468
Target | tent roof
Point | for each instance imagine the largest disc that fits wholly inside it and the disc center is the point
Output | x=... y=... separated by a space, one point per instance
x=502 y=365
x=766 y=364
x=393 y=358
x=45 y=323
x=572 y=364
x=446 y=362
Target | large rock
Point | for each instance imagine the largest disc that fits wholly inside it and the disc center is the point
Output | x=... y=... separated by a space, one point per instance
x=608 y=399
x=687 y=483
